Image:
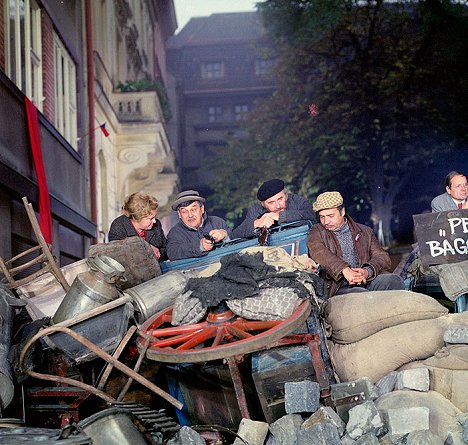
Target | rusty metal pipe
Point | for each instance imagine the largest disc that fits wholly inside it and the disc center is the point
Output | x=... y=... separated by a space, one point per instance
x=101 y=353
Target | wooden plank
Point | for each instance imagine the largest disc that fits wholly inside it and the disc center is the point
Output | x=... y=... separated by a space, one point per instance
x=442 y=237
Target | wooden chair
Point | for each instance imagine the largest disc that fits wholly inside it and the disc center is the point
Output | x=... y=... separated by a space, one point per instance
x=44 y=260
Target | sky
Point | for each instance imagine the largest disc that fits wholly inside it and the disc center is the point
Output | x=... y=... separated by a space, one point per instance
x=185 y=9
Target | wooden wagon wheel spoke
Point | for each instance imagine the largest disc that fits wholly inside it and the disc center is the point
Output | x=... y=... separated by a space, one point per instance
x=199 y=338
x=174 y=340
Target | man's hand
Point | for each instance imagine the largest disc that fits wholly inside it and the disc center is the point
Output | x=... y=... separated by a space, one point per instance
x=266 y=220
x=157 y=253
x=206 y=244
x=218 y=234
x=355 y=275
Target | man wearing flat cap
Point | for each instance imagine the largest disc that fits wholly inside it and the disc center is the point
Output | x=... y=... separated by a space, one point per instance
x=275 y=206
x=196 y=233
x=349 y=254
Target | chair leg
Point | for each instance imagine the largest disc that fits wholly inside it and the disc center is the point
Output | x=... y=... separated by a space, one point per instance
x=45 y=247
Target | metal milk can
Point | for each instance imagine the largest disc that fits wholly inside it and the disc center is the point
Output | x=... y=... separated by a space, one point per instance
x=91 y=289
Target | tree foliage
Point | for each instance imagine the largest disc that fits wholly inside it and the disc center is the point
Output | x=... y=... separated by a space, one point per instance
x=367 y=92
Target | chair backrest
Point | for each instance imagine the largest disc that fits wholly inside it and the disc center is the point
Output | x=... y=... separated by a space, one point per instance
x=42 y=262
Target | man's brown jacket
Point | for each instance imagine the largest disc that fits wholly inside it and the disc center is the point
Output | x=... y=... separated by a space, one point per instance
x=325 y=250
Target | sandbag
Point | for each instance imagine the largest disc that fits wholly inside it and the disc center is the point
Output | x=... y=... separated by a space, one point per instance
x=449 y=357
x=450 y=383
x=391 y=348
x=358 y=315
x=448 y=369
x=443 y=415
x=135 y=255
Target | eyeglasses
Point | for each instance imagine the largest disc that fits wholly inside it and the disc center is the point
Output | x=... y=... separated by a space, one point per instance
x=459 y=186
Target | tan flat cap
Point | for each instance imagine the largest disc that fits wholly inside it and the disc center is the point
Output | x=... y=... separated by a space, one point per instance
x=327 y=200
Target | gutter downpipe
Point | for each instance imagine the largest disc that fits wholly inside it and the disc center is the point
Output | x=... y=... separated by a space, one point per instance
x=92 y=139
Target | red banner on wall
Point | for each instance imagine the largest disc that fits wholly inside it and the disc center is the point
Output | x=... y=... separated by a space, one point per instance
x=45 y=217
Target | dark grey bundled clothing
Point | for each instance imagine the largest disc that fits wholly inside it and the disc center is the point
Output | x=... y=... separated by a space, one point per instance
x=184 y=242
x=122 y=228
x=297 y=209
x=241 y=276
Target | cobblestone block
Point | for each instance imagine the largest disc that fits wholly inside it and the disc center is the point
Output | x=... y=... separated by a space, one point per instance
x=284 y=430
x=423 y=438
x=325 y=415
x=319 y=434
x=363 y=419
x=301 y=397
x=415 y=379
x=253 y=432
x=367 y=439
x=406 y=420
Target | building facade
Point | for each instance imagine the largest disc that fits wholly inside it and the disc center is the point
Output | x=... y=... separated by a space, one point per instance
x=220 y=68
x=130 y=98
x=41 y=58
x=83 y=64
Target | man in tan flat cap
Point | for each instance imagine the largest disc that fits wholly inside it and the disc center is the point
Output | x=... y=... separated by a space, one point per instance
x=350 y=256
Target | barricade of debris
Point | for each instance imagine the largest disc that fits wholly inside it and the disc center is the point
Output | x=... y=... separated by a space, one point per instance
x=403 y=364
x=400 y=359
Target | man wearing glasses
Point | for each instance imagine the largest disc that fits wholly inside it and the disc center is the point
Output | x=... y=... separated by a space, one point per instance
x=456 y=194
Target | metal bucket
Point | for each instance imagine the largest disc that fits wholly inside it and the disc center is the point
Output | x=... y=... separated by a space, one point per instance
x=157 y=294
x=112 y=426
x=91 y=289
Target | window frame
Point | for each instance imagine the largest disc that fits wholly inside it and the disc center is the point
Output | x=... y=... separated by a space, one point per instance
x=212 y=70
x=215 y=114
x=65 y=92
x=240 y=111
x=25 y=33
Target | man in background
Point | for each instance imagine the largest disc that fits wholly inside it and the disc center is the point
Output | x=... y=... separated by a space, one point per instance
x=275 y=207
x=455 y=196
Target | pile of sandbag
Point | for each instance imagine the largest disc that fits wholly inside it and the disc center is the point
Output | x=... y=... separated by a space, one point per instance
x=374 y=333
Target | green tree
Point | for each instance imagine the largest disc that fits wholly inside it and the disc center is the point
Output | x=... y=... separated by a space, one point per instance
x=390 y=86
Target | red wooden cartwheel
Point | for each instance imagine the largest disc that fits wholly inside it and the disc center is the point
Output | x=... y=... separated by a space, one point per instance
x=221 y=335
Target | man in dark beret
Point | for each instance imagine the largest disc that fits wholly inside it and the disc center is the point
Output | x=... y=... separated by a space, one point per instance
x=275 y=206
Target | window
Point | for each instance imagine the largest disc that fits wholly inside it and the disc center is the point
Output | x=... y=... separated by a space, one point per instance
x=65 y=93
x=23 y=47
x=215 y=114
x=214 y=70
x=239 y=112
x=263 y=66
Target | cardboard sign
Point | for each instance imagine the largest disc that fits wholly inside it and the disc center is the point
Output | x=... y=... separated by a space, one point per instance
x=442 y=237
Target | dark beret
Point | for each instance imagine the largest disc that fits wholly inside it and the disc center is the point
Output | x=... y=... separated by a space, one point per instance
x=270 y=188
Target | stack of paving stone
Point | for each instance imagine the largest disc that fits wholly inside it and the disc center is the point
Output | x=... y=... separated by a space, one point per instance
x=423 y=402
